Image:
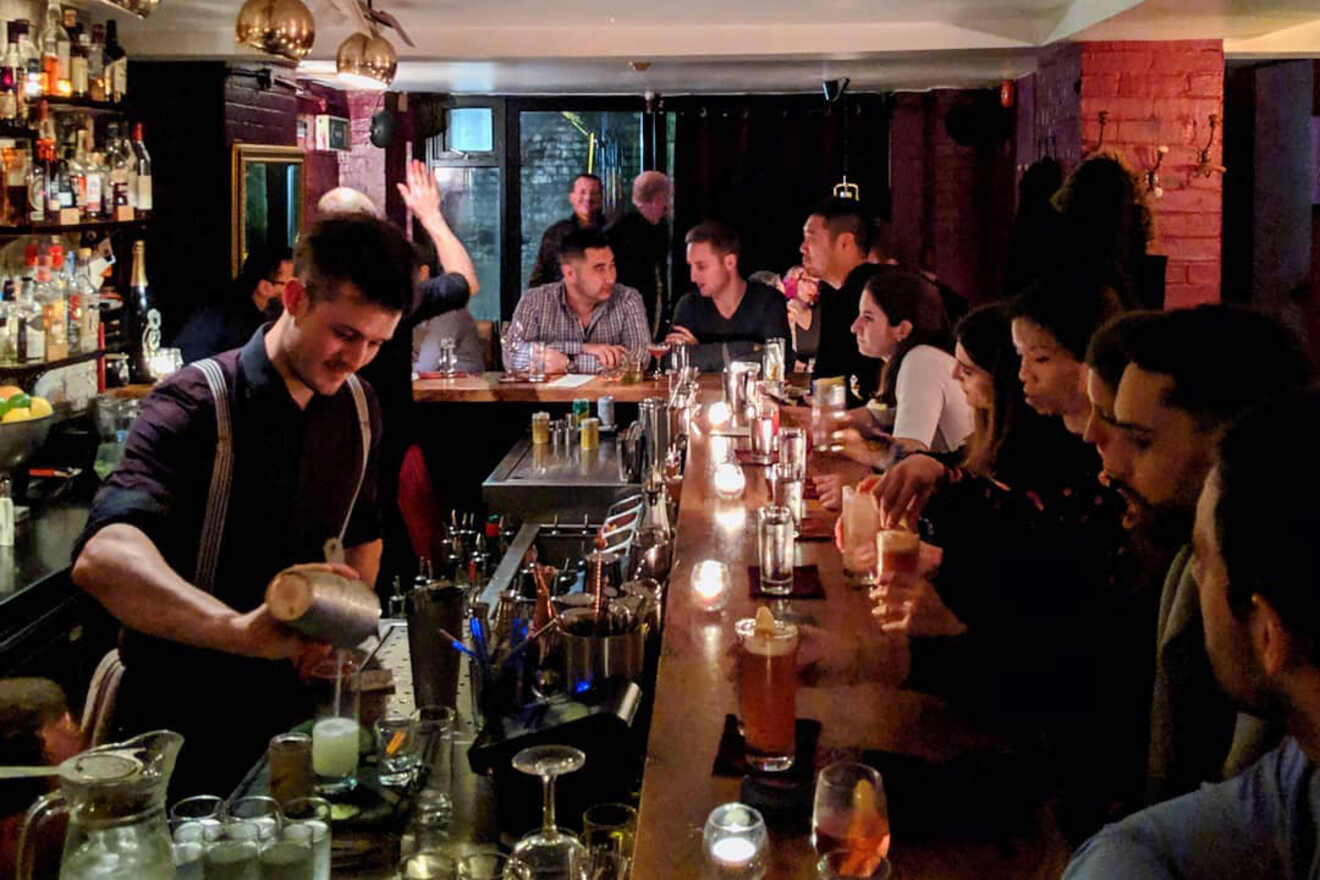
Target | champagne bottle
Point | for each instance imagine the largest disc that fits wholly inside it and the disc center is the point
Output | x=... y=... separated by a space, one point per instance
x=142 y=338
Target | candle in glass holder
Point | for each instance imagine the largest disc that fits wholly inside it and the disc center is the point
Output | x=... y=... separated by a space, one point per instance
x=710 y=585
x=718 y=414
x=735 y=841
x=729 y=481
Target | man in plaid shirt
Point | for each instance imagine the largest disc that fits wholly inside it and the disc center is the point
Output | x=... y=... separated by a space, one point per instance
x=587 y=321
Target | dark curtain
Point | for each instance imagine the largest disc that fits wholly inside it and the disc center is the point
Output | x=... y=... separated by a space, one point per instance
x=760 y=163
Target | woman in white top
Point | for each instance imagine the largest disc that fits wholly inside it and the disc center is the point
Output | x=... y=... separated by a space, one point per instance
x=901 y=321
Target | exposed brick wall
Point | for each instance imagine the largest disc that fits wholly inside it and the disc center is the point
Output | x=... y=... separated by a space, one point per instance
x=1163 y=93
x=363 y=166
x=255 y=116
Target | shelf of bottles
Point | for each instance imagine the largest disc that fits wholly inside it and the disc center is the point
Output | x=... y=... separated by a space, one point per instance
x=69 y=158
x=50 y=312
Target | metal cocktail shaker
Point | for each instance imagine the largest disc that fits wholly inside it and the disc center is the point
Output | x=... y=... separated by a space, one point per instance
x=654 y=416
x=435 y=663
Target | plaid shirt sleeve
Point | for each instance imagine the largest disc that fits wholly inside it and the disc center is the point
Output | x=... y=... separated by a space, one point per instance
x=623 y=323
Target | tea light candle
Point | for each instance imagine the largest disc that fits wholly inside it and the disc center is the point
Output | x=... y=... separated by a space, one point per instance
x=729 y=481
x=719 y=413
x=735 y=841
x=710 y=585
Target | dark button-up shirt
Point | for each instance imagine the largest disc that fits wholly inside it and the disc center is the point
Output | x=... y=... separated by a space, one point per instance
x=641 y=253
x=294 y=473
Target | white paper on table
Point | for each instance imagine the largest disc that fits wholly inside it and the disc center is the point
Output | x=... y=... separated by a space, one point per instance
x=572 y=380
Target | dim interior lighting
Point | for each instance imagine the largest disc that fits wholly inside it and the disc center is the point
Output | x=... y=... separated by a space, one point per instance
x=284 y=28
x=718 y=413
x=366 y=61
x=729 y=481
x=710 y=584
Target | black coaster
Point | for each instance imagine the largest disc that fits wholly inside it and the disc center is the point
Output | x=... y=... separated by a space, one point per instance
x=731 y=760
x=806 y=584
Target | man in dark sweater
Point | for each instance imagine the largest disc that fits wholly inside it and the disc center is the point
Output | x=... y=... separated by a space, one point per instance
x=586 y=198
x=252 y=300
x=639 y=238
x=725 y=314
x=835 y=241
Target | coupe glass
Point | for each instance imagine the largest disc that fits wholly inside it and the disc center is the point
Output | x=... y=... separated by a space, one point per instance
x=552 y=853
x=657 y=351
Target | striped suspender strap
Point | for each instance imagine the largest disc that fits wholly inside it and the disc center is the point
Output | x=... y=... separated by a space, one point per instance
x=222 y=473
x=364 y=433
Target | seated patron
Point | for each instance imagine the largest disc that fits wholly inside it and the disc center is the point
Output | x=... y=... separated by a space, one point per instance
x=1255 y=560
x=587 y=321
x=726 y=316
x=803 y=293
x=586 y=199
x=456 y=324
x=252 y=300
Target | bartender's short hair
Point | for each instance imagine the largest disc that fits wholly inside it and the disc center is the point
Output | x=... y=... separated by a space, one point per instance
x=367 y=252
x=846 y=216
x=576 y=243
x=721 y=238
x=588 y=176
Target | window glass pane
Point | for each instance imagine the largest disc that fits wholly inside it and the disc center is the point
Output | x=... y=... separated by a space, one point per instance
x=471 y=205
x=556 y=147
x=470 y=130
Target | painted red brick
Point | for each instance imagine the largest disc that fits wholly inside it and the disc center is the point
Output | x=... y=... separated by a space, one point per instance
x=1191 y=200
x=1192 y=248
x=1207 y=85
x=1198 y=61
x=1203 y=273
x=1181 y=296
x=1187 y=225
x=1100 y=85
x=1117 y=62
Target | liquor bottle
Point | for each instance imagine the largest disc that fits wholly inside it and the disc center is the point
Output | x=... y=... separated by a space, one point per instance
x=94 y=209
x=54 y=311
x=74 y=306
x=12 y=74
x=116 y=63
x=50 y=50
x=64 y=50
x=89 y=333
x=77 y=176
x=142 y=167
x=137 y=314
x=8 y=324
x=31 y=322
x=119 y=163
x=96 y=65
x=36 y=188
x=17 y=161
x=78 y=66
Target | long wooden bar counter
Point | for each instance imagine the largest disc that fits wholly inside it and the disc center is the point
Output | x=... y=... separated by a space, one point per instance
x=694 y=692
x=487 y=388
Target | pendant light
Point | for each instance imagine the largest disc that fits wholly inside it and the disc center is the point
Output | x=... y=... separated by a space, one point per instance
x=277 y=27
x=366 y=61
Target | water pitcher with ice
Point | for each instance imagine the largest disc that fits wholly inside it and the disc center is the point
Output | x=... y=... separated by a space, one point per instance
x=114 y=797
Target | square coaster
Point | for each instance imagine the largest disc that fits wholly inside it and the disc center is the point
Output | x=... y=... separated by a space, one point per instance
x=731 y=759
x=806 y=584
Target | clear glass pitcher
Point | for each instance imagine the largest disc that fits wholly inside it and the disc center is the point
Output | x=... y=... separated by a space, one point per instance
x=114 y=797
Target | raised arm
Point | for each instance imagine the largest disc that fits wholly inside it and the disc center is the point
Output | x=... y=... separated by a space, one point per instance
x=422 y=196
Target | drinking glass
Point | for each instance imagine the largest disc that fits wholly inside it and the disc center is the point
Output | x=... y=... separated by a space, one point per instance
x=189 y=861
x=735 y=841
x=536 y=366
x=335 y=733
x=605 y=865
x=447 y=361
x=679 y=358
x=396 y=749
x=762 y=430
x=492 y=866
x=774 y=532
x=793 y=450
x=550 y=851
x=288 y=859
x=435 y=735
x=308 y=819
x=427 y=865
x=262 y=812
x=612 y=827
x=290 y=758
x=233 y=856
x=897 y=551
x=772 y=361
x=197 y=819
x=787 y=491
x=860 y=524
x=842 y=864
x=829 y=402
x=747 y=376
x=767 y=693
x=850 y=813
x=657 y=351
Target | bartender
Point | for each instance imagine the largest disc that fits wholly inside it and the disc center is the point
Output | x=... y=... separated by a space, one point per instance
x=187 y=532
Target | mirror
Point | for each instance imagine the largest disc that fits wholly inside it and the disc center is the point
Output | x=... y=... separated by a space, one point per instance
x=266 y=203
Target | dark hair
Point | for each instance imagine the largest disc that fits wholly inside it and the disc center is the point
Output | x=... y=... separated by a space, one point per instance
x=1107 y=353
x=1222 y=359
x=1267 y=532
x=364 y=251
x=26 y=704
x=588 y=176
x=984 y=334
x=905 y=296
x=722 y=239
x=846 y=215
x=1105 y=221
x=262 y=264
x=881 y=246
x=426 y=255
x=1070 y=310
x=575 y=244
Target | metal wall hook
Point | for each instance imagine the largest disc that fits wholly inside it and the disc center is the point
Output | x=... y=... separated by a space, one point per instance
x=1204 y=167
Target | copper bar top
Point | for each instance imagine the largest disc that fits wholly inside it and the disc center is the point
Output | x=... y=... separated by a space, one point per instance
x=694 y=692
x=487 y=388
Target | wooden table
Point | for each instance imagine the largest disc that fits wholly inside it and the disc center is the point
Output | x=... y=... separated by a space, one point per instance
x=487 y=388
x=693 y=694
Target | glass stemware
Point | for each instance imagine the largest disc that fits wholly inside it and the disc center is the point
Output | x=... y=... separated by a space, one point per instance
x=550 y=851
x=657 y=351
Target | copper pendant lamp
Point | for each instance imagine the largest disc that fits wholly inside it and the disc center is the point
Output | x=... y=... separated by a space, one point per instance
x=277 y=27
x=367 y=61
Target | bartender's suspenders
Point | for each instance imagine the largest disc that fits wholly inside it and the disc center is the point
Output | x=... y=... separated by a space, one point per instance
x=222 y=472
